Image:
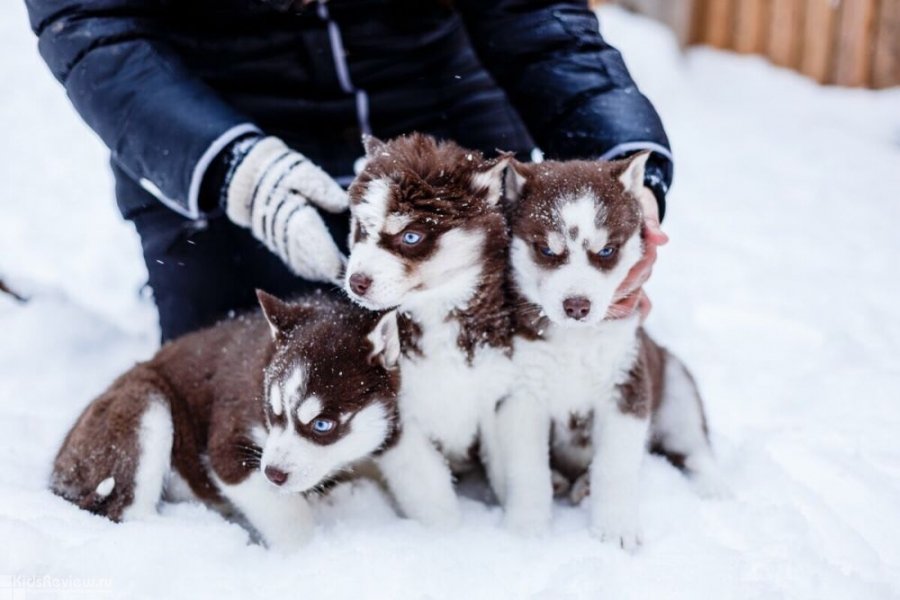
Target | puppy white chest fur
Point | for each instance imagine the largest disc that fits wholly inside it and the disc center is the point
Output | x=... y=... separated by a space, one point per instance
x=573 y=371
x=450 y=399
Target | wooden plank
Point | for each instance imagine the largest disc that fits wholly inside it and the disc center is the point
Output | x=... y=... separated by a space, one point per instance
x=698 y=22
x=682 y=20
x=886 y=62
x=785 y=41
x=818 y=35
x=750 y=24
x=855 y=43
x=719 y=23
x=677 y=14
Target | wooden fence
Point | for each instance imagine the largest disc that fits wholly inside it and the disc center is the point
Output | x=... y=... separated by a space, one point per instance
x=843 y=42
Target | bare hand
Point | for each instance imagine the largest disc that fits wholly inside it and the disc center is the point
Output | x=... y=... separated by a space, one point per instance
x=630 y=296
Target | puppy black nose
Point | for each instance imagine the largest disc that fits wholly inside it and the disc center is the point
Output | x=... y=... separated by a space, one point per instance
x=276 y=476
x=577 y=307
x=360 y=283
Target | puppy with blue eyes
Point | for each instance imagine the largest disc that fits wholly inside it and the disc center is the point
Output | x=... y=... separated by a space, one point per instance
x=591 y=393
x=429 y=238
x=248 y=415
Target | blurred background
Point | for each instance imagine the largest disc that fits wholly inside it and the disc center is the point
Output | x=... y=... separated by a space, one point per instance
x=844 y=42
x=780 y=289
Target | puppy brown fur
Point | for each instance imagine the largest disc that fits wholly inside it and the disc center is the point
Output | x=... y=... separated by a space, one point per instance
x=210 y=385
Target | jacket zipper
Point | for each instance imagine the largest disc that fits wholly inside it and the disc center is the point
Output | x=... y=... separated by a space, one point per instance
x=339 y=56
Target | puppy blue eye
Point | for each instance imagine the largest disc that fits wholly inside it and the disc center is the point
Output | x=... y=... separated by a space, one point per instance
x=323 y=425
x=546 y=251
x=606 y=252
x=411 y=238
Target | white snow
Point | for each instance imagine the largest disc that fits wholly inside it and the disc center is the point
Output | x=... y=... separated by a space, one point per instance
x=779 y=289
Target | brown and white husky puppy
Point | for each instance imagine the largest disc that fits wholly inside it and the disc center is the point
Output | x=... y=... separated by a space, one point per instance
x=592 y=393
x=429 y=237
x=247 y=414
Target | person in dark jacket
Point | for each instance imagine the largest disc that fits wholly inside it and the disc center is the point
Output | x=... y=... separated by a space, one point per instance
x=233 y=124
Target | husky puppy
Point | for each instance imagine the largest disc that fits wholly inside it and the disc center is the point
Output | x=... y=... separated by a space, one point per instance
x=590 y=392
x=247 y=414
x=429 y=237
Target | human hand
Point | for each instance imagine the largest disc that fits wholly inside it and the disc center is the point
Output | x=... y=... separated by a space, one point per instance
x=276 y=191
x=630 y=296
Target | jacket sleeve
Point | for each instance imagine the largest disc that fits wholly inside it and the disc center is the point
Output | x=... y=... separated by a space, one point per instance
x=570 y=87
x=162 y=124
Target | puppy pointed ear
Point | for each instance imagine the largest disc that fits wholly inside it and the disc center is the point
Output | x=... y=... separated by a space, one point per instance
x=385 y=340
x=489 y=176
x=632 y=177
x=515 y=179
x=282 y=317
x=373 y=145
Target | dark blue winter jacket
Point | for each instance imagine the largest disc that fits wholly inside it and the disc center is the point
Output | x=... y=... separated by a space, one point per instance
x=169 y=84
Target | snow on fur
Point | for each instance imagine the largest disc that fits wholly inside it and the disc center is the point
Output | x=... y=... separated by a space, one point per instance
x=779 y=289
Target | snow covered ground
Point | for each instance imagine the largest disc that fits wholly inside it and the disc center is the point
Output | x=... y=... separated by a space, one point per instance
x=780 y=289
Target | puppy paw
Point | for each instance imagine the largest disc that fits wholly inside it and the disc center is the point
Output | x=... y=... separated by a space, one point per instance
x=527 y=522
x=581 y=489
x=448 y=516
x=561 y=485
x=628 y=539
x=288 y=541
x=711 y=486
x=619 y=528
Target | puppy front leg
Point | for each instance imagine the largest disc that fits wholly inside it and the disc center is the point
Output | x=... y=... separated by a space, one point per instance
x=420 y=480
x=489 y=452
x=284 y=520
x=523 y=432
x=619 y=445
